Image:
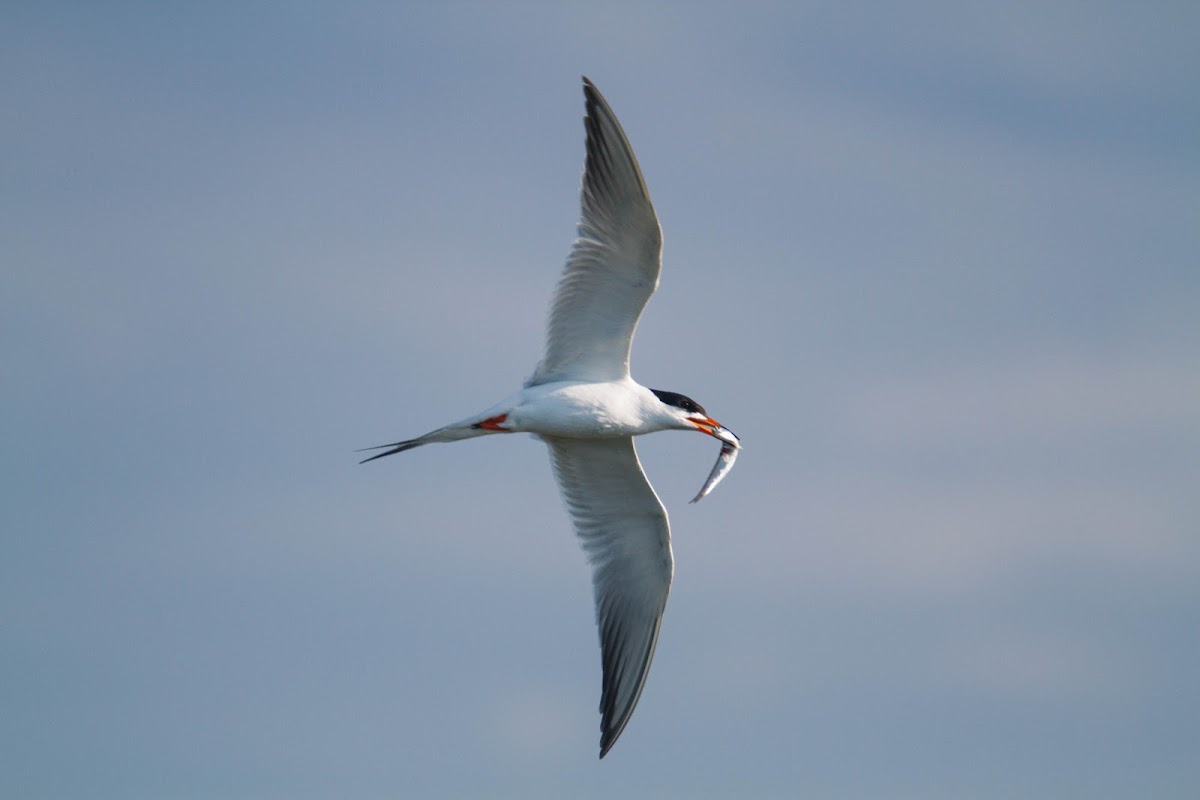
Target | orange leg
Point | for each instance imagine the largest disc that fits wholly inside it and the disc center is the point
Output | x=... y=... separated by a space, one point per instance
x=492 y=423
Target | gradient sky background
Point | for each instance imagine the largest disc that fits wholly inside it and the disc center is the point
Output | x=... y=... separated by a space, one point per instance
x=938 y=265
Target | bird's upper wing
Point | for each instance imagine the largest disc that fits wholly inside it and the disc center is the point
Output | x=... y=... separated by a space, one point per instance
x=625 y=534
x=613 y=267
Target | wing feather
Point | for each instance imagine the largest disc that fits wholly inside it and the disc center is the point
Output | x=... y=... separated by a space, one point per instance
x=624 y=531
x=614 y=265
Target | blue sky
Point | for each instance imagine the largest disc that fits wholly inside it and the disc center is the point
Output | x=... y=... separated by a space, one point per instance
x=936 y=264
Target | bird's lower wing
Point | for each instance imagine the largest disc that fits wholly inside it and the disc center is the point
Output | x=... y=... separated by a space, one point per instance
x=624 y=530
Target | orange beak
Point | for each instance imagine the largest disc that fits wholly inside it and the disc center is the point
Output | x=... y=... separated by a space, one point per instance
x=715 y=429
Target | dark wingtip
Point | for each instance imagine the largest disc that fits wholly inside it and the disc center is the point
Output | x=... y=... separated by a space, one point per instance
x=606 y=743
x=590 y=94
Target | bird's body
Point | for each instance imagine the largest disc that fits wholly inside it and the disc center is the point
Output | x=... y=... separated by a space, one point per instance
x=583 y=409
x=582 y=402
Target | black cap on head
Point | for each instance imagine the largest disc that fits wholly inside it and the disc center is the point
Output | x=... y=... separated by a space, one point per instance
x=680 y=401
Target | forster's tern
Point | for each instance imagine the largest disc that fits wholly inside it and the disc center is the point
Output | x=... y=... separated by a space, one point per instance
x=582 y=403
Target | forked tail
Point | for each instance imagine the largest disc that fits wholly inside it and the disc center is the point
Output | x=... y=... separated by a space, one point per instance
x=481 y=425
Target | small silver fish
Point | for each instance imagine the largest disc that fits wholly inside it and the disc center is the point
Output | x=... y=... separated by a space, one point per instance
x=729 y=450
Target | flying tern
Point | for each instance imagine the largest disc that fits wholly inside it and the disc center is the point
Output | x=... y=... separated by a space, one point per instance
x=582 y=402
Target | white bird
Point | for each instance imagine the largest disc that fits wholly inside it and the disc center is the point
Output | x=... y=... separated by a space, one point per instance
x=583 y=404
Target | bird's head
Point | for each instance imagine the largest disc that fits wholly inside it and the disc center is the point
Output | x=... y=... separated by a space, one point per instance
x=687 y=414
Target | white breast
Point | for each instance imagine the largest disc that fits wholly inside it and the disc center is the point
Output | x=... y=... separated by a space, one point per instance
x=584 y=410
